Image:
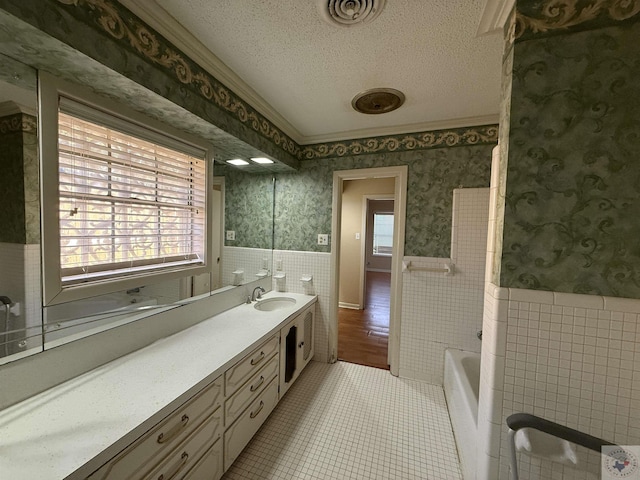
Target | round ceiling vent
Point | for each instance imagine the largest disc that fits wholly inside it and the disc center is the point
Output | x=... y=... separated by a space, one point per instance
x=377 y=100
x=348 y=13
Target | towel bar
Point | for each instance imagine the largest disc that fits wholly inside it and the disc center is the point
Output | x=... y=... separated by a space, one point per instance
x=448 y=268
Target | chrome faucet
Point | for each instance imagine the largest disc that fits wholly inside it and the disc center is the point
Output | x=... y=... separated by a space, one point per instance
x=257 y=296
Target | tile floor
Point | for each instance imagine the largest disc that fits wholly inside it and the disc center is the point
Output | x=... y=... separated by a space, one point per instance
x=347 y=421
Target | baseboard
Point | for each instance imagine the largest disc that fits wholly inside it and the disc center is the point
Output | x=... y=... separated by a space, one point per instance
x=352 y=306
x=383 y=270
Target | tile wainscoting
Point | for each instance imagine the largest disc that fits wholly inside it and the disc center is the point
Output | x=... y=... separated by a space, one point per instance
x=440 y=311
x=20 y=281
x=573 y=359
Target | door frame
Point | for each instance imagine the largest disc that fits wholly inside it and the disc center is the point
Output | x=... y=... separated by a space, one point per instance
x=363 y=247
x=400 y=174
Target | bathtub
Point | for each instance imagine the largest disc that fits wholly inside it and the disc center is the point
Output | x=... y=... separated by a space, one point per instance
x=461 y=389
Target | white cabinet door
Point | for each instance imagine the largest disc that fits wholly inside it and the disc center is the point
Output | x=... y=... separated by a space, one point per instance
x=296 y=347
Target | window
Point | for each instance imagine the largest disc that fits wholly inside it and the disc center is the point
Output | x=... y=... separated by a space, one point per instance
x=130 y=203
x=383 y=234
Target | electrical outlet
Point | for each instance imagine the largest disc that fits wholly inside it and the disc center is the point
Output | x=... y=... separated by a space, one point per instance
x=231 y=234
x=279 y=264
x=265 y=263
x=323 y=239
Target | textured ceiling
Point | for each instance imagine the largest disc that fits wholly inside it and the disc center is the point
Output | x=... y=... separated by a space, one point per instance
x=308 y=71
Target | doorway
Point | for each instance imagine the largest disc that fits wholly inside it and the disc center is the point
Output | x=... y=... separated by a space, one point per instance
x=364 y=294
x=342 y=254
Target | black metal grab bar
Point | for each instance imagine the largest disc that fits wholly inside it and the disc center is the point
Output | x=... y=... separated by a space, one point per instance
x=517 y=421
x=525 y=420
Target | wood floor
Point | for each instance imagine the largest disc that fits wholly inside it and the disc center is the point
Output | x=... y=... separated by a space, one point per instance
x=363 y=335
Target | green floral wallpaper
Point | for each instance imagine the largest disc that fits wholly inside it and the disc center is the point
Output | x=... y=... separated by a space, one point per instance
x=303 y=199
x=248 y=208
x=573 y=180
x=19 y=195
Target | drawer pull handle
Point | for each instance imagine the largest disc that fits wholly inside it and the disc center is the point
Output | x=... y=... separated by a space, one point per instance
x=256 y=386
x=184 y=421
x=183 y=461
x=258 y=360
x=255 y=414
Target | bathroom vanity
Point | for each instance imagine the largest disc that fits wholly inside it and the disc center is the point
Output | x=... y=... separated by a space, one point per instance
x=181 y=408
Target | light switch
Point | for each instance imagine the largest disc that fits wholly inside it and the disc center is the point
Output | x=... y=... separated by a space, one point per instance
x=357 y=235
x=323 y=239
x=231 y=234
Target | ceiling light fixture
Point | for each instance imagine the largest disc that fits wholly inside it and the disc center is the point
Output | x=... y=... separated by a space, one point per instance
x=348 y=13
x=261 y=160
x=378 y=100
x=238 y=161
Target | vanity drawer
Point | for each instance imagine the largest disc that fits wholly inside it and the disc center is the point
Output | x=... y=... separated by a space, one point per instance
x=177 y=465
x=238 y=435
x=209 y=467
x=240 y=400
x=151 y=448
x=240 y=372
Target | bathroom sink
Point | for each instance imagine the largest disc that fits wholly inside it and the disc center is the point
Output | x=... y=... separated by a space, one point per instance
x=274 y=303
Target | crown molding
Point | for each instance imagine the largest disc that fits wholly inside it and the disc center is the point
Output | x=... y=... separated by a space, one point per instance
x=150 y=12
x=160 y=20
x=11 y=108
x=402 y=129
x=495 y=16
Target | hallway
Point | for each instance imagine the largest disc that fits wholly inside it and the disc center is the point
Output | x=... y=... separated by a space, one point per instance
x=363 y=335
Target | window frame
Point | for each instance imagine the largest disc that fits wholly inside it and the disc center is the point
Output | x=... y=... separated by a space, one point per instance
x=50 y=89
x=373 y=234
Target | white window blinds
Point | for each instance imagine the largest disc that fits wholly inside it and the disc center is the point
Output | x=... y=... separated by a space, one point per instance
x=131 y=200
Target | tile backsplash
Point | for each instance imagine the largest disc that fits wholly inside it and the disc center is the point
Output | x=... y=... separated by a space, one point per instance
x=295 y=265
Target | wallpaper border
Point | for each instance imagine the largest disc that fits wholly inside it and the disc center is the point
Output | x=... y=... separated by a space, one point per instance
x=126 y=28
x=552 y=17
x=482 y=135
x=134 y=35
x=18 y=122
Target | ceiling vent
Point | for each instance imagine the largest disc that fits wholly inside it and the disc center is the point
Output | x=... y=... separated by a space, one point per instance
x=348 y=13
x=378 y=100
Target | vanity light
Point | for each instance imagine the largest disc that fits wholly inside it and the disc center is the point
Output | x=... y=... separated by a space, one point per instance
x=261 y=160
x=238 y=161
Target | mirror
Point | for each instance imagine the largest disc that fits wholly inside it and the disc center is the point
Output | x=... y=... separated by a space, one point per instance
x=248 y=221
x=244 y=201
x=20 y=304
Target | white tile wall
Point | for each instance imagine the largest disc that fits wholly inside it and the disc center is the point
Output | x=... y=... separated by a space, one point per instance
x=563 y=357
x=439 y=311
x=296 y=264
x=32 y=290
x=249 y=260
x=20 y=281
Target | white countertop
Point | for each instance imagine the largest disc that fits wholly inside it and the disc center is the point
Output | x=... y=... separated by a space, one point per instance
x=70 y=430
